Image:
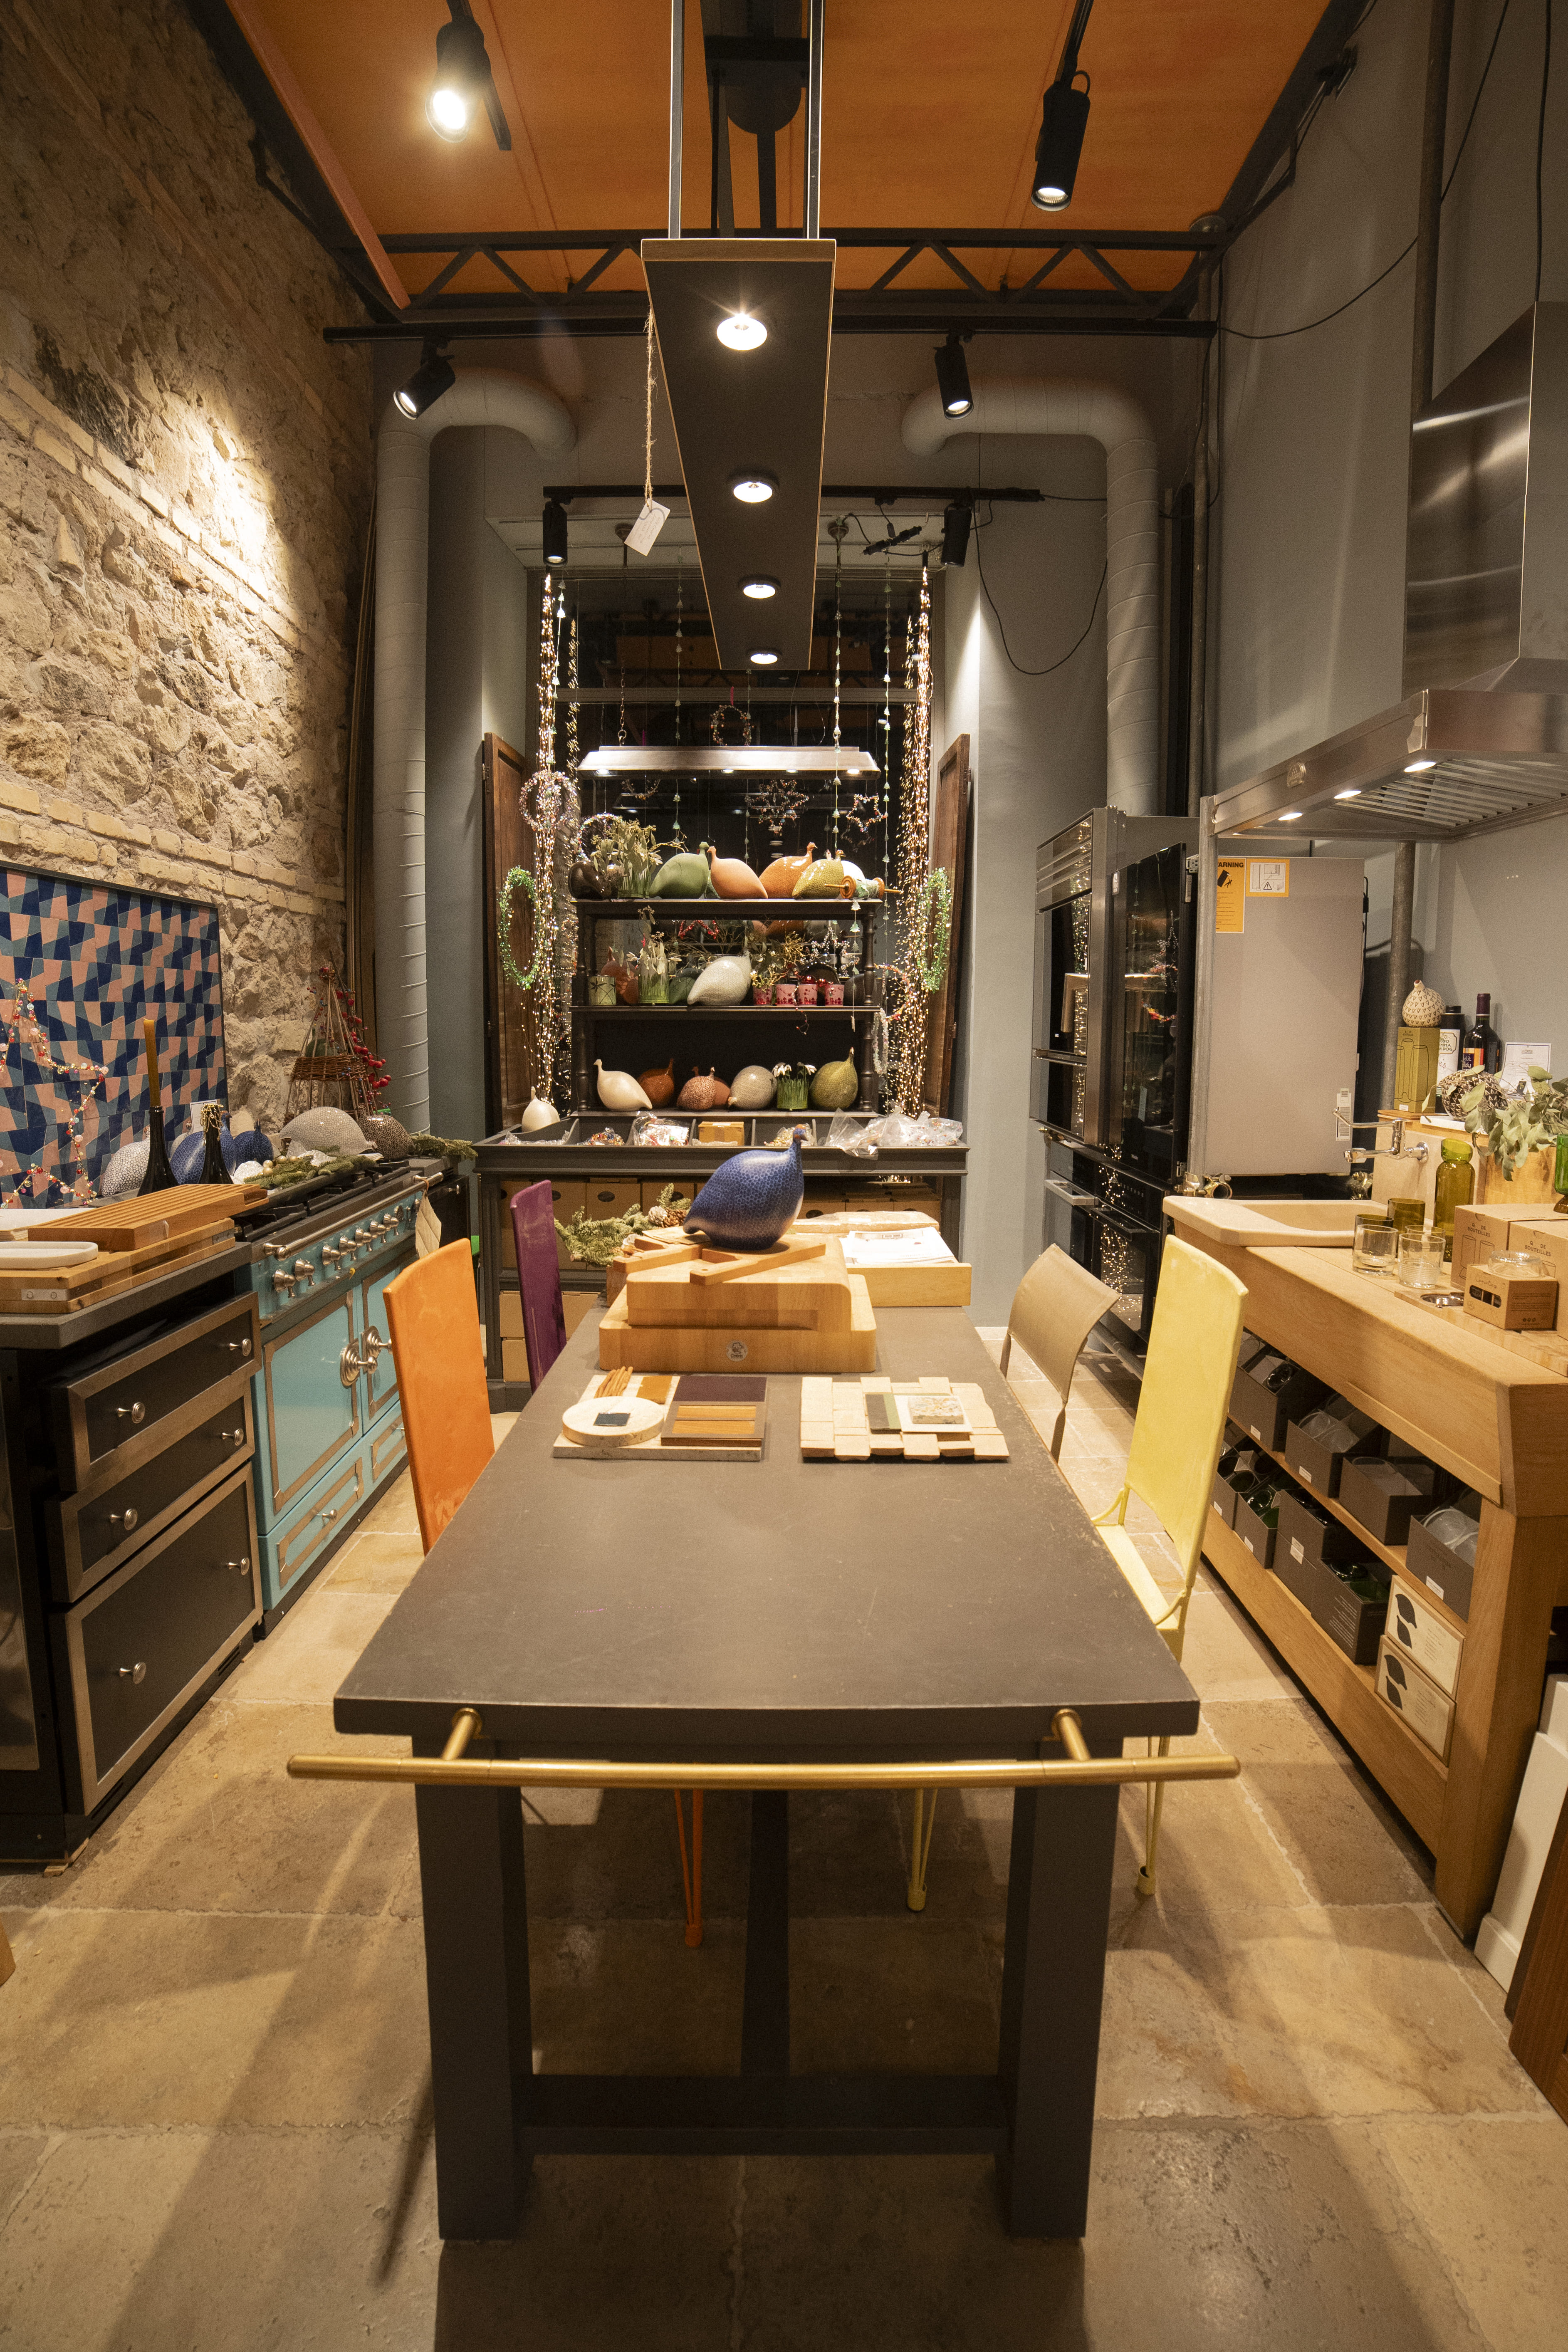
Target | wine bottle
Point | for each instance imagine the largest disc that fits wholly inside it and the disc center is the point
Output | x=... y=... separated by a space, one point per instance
x=160 y=1176
x=212 y=1170
x=1480 y=1049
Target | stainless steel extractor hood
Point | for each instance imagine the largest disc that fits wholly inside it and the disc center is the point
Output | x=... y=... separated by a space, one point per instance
x=1480 y=740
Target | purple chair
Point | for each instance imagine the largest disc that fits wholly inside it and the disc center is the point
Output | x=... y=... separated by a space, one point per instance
x=539 y=1279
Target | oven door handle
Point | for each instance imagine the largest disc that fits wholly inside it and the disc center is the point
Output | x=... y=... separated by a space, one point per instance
x=1129 y=1230
x=1073 y=1194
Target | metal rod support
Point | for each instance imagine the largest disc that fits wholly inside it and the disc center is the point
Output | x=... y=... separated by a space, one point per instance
x=813 y=125
x=1079 y=1769
x=677 y=107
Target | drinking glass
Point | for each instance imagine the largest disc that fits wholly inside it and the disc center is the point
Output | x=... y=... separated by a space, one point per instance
x=1375 y=1247
x=1421 y=1261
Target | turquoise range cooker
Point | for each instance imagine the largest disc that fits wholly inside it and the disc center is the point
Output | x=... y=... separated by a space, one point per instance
x=329 y=1430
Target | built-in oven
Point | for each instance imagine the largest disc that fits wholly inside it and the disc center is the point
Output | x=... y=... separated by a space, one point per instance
x=1129 y=1235
x=1151 y=1006
x=1065 y=1091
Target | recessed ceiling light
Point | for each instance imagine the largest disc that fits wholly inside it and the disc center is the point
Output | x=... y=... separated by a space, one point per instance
x=765 y=657
x=1290 y=816
x=753 y=490
x=1351 y=792
x=1418 y=767
x=743 y=331
x=759 y=584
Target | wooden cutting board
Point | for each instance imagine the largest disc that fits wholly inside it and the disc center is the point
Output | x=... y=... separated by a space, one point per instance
x=61 y=1290
x=153 y=1217
x=728 y=1347
x=800 y=1293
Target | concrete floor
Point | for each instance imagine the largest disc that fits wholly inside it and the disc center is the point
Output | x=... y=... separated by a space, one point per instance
x=215 y=2122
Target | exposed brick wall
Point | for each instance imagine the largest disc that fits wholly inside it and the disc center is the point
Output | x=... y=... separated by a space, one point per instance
x=185 y=481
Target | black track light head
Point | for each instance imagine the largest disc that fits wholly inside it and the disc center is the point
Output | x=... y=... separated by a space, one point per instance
x=955 y=521
x=464 y=81
x=434 y=375
x=952 y=377
x=1063 y=121
x=555 y=534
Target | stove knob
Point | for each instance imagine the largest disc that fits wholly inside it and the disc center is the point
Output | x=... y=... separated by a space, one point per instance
x=305 y=1272
x=283 y=1282
x=330 y=1256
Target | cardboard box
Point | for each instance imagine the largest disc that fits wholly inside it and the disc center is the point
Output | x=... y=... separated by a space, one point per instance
x=1476 y=1233
x=1316 y=1462
x=1265 y=1412
x=510 y=1314
x=1404 y=1688
x=1423 y=1636
x=650 y=1192
x=565 y=1199
x=1255 y=1532
x=1429 y=1561
x=1549 y=1236
x=1353 y=1608
x=513 y=1360
x=1381 y=1491
x=1234 y=1462
x=1510 y=1302
x=1306 y=1533
x=604 y=1197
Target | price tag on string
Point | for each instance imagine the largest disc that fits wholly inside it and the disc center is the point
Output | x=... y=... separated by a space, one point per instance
x=647 y=528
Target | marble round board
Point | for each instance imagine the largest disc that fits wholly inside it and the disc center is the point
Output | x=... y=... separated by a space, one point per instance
x=603 y=1423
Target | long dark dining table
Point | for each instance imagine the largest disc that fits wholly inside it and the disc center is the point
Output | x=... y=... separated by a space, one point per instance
x=787 y=1612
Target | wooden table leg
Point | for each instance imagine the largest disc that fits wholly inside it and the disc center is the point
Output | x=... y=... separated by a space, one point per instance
x=1058 y=1909
x=476 y=1980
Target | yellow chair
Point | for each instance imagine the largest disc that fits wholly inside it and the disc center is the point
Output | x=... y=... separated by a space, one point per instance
x=1177 y=1439
x=1054 y=1309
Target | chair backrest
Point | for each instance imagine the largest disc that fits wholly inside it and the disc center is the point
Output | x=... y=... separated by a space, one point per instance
x=1194 y=1342
x=1055 y=1308
x=539 y=1278
x=434 y=1320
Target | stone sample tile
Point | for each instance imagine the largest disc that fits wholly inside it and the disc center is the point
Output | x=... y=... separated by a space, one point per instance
x=137 y=2018
x=1494 y=2196
x=1297 y=2012
x=628 y=1997
x=1199 y=2239
x=1345 y=1839
x=375 y=1563
x=225 y=1829
x=308 y=1653
x=901 y=1996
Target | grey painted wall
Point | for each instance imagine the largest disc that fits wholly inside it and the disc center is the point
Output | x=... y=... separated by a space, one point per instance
x=1310 y=511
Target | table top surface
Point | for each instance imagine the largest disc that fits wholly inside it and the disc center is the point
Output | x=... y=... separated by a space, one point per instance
x=779 y=1608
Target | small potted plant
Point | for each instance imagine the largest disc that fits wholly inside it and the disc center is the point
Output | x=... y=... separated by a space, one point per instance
x=794 y=1084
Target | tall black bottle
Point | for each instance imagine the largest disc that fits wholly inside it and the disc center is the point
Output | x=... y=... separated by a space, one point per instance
x=160 y=1176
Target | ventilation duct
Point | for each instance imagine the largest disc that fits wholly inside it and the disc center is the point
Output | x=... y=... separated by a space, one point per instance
x=1103 y=413
x=479 y=396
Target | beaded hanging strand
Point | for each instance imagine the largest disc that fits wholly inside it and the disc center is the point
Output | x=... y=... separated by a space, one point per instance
x=679 y=648
x=906 y=1072
x=838 y=530
x=887 y=700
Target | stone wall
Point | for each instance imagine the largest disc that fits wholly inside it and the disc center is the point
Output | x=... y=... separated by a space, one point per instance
x=184 y=482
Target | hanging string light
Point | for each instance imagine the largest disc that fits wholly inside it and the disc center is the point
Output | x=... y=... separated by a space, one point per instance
x=679 y=648
x=549 y=803
x=838 y=530
x=906 y=1071
x=886 y=698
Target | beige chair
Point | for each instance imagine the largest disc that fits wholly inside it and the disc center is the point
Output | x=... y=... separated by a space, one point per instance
x=1055 y=1308
x=7 y=1965
x=1194 y=1342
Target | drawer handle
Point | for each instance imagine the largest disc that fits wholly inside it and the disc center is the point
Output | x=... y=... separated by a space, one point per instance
x=231 y=1436
x=125 y=1519
x=241 y=1566
x=134 y=1413
x=136 y=1674
x=328 y=1517
x=239 y=1347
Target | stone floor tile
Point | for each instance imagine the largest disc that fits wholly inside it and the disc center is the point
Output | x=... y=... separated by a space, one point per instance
x=21 y=2152
x=134 y=2018
x=225 y=1829
x=375 y=1563
x=905 y=1996
x=1215 y=1853
x=394 y=1513
x=628 y=1997
x=311 y=1650
x=1223 y=1657
x=1346 y=1841
x=1200 y=2239
x=1297 y=2012
x=1494 y=2196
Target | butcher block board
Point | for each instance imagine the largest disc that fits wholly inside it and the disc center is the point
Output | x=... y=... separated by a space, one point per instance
x=152 y=1217
x=62 y=1290
x=731 y=1347
x=801 y=1294
x=649 y=1449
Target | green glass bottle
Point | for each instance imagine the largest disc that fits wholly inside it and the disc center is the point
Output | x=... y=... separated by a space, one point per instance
x=1455 y=1189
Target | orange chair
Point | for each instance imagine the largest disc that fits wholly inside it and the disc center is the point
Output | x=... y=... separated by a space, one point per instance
x=434 y=1320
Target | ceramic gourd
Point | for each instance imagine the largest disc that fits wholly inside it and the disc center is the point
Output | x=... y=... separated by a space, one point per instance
x=824 y=878
x=836 y=1087
x=684 y=876
x=780 y=879
x=748 y=1202
x=733 y=878
x=541 y=1112
x=726 y=980
x=699 y=1093
x=618 y=1090
x=658 y=1085
x=720 y=1094
x=753 y=1087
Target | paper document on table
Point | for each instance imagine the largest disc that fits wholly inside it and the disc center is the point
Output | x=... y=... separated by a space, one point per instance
x=921 y=1245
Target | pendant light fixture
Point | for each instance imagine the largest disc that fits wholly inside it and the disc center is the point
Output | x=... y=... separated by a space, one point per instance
x=952 y=377
x=555 y=533
x=955 y=521
x=463 y=81
x=433 y=376
x=1064 y=118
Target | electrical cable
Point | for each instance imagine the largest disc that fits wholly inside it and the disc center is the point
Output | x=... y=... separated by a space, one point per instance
x=1021 y=667
x=1282 y=334
x=1541 y=140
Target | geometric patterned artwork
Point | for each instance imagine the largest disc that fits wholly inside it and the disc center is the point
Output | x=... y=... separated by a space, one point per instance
x=96 y=961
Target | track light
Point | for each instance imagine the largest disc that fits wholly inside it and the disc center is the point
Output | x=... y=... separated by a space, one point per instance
x=952 y=378
x=1063 y=121
x=432 y=377
x=764 y=656
x=462 y=69
x=554 y=533
x=955 y=521
x=760 y=585
x=755 y=489
x=743 y=331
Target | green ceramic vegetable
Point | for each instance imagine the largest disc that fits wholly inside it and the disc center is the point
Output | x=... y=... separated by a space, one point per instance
x=684 y=876
x=836 y=1087
x=824 y=878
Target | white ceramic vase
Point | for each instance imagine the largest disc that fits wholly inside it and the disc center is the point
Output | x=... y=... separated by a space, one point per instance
x=619 y=1091
x=725 y=981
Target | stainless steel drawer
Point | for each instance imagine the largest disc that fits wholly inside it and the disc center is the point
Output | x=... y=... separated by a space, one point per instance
x=95 y=1532
x=142 y=1643
x=125 y=1409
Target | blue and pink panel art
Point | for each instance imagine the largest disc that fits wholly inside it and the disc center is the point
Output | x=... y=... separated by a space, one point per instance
x=93 y=962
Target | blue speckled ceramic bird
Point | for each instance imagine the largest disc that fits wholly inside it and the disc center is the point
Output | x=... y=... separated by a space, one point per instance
x=747 y=1203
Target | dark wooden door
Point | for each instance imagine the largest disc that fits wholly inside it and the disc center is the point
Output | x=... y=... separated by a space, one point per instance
x=949 y=836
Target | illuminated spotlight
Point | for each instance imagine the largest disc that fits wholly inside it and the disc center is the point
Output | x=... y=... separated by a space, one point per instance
x=760 y=585
x=952 y=378
x=1418 y=767
x=764 y=656
x=431 y=378
x=1064 y=118
x=755 y=489
x=1290 y=816
x=743 y=331
x=1351 y=792
x=955 y=521
x=462 y=70
x=555 y=532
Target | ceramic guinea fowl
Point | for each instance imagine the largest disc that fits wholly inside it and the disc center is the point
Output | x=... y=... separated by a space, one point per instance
x=747 y=1203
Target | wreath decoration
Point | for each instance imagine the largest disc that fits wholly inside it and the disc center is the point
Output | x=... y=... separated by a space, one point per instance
x=932 y=927
x=518 y=878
